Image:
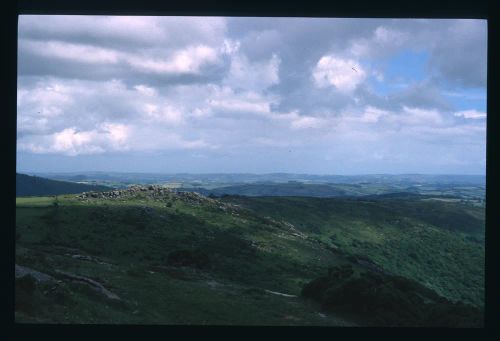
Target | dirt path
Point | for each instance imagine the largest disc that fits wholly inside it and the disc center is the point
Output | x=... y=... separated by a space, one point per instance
x=279 y=293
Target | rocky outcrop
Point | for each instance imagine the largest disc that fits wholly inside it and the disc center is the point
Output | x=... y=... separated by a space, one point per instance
x=22 y=271
x=87 y=258
x=155 y=191
x=91 y=283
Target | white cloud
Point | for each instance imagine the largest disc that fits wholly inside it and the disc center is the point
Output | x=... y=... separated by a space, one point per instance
x=306 y=122
x=71 y=141
x=417 y=116
x=53 y=94
x=300 y=122
x=270 y=142
x=40 y=107
x=470 y=114
x=109 y=137
x=372 y=115
x=140 y=30
x=344 y=74
x=226 y=100
x=201 y=112
x=453 y=134
x=188 y=60
x=74 y=52
x=237 y=105
x=163 y=113
x=146 y=90
x=230 y=46
x=87 y=86
x=384 y=35
x=155 y=138
x=367 y=115
x=254 y=76
x=383 y=41
x=117 y=133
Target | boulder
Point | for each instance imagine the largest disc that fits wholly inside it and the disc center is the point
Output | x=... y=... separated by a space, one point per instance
x=22 y=271
x=91 y=283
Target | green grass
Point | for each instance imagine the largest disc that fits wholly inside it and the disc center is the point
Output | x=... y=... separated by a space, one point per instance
x=34 y=201
x=251 y=249
x=135 y=243
x=441 y=244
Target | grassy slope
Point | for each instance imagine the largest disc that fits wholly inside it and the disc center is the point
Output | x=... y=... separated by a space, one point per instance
x=35 y=186
x=439 y=244
x=136 y=242
x=248 y=253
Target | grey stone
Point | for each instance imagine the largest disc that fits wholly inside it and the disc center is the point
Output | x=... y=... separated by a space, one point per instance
x=22 y=271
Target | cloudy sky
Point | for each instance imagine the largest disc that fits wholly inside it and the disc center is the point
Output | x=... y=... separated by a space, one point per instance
x=257 y=95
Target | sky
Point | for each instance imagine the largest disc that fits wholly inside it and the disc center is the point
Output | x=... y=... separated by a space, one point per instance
x=251 y=95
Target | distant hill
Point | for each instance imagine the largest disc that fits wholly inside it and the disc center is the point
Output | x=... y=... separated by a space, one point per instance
x=233 y=179
x=27 y=185
x=273 y=189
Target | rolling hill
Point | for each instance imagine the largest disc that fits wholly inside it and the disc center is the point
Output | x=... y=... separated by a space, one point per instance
x=437 y=243
x=27 y=185
x=153 y=255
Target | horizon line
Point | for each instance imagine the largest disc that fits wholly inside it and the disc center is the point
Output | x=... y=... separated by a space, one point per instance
x=240 y=173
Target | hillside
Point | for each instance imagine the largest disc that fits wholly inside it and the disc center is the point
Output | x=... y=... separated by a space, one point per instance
x=27 y=185
x=437 y=243
x=157 y=256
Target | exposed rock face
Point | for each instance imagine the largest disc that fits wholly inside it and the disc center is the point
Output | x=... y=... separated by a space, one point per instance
x=22 y=271
x=91 y=283
x=156 y=192
x=163 y=194
x=87 y=258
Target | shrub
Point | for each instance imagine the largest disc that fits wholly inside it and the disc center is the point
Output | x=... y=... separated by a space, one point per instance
x=387 y=300
x=25 y=290
x=191 y=258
